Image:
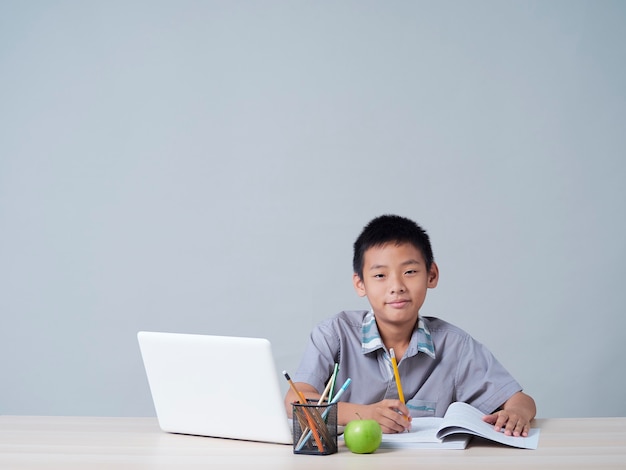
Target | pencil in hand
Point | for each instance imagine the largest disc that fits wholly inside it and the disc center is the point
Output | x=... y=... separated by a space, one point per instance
x=396 y=374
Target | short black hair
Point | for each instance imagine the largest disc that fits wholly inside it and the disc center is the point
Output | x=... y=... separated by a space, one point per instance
x=390 y=228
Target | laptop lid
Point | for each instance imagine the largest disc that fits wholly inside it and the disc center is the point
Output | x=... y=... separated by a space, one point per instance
x=218 y=386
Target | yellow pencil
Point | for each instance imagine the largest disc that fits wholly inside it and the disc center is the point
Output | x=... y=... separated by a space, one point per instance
x=396 y=374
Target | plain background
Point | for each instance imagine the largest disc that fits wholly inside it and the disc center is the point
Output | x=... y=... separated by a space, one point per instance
x=204 y=167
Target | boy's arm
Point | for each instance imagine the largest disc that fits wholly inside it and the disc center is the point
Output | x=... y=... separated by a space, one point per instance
x=392 y=415
x=514 y=416
x=309 y=391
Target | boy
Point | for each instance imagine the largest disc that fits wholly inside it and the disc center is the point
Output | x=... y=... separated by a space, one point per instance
x=438 y=363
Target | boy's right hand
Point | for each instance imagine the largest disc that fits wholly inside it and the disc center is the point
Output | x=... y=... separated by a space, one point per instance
x=392 y=415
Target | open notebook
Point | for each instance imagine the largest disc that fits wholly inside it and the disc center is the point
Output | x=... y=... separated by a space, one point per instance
x=218 y=386
x=454 y=431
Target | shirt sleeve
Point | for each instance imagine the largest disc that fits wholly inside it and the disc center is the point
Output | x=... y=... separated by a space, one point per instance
x=481 y=380
x=320 y=355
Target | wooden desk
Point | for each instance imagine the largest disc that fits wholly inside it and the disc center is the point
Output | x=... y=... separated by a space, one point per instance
x=28 y=442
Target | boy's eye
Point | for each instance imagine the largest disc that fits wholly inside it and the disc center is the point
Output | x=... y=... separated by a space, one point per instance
x=378 y=276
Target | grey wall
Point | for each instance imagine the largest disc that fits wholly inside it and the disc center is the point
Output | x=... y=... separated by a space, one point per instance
x=204 y=167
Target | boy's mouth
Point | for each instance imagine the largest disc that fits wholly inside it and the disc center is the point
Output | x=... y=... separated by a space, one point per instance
x=398 y=303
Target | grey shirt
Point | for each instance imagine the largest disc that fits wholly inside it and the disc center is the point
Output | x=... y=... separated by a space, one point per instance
x=442 y=364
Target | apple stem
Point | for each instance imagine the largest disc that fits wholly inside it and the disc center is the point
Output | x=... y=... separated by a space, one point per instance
x=358 y=415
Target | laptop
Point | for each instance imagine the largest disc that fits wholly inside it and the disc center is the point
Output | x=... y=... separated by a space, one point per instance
x=217 y=386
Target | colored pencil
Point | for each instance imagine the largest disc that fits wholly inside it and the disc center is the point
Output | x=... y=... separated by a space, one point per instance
x=333 y=380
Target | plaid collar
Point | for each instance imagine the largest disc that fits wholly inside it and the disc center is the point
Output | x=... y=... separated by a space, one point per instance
x=421 y=340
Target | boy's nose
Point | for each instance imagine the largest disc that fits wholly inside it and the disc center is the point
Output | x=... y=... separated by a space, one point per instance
x=397 y=287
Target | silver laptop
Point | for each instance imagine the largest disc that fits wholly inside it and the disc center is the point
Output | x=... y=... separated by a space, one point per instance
x=218 y=386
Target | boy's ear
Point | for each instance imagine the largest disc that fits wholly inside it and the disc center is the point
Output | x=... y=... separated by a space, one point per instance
x=359 y=287
x=433 y=276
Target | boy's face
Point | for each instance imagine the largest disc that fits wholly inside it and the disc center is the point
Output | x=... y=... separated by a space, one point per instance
x=395 y=282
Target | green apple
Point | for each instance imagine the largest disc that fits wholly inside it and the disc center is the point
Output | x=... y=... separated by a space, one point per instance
x=363 y=436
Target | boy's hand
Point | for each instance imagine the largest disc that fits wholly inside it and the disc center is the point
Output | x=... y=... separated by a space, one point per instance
x=392 y=415
x=515 y=416
x=512 y=422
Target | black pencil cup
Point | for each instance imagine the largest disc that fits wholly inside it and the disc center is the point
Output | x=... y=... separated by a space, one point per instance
x=315 y=428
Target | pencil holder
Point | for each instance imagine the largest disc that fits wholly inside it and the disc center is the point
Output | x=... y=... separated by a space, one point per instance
x=315 y=428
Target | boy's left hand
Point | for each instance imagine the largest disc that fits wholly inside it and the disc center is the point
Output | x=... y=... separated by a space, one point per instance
x=512 y=422
x=514 y=416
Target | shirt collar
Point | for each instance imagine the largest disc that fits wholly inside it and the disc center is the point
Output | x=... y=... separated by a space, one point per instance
x=421 y=340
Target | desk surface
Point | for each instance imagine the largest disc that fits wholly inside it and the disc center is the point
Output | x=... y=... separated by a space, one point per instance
x=30 y=442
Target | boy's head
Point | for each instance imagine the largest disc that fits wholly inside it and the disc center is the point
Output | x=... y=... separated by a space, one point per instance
x=391 y=229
